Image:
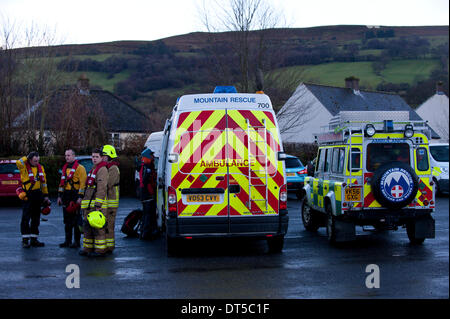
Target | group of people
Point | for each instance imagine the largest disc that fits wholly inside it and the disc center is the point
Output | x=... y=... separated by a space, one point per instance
x=89 y=200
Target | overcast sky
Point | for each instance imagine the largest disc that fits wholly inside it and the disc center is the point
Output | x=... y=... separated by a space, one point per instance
x=92 y=21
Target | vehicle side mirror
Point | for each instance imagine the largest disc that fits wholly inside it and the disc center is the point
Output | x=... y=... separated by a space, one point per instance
x=172 y=158
x=282 y=156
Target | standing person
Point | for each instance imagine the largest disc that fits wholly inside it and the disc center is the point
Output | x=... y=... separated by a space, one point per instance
x=110 y=156
x=34 y=184
x=147 y=179
x=70 y=193
x=94 y=208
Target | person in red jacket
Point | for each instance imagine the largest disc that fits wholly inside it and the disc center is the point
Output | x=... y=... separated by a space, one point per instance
x=147 y=178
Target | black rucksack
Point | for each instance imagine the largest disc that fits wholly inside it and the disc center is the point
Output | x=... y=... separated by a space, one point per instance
x=131 y=223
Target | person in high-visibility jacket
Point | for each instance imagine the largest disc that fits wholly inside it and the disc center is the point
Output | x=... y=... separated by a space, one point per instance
x=70 y=193
x=94 y=241
x=110 y=156
x=34 y=184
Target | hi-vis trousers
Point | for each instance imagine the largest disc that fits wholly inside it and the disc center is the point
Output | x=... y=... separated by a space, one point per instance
x=94 y=239
x=110 y=220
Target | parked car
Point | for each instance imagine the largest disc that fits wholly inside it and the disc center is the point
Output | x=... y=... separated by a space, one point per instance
x=439 y=163
x=85 y=160
x=9 y=178
x=295 y=175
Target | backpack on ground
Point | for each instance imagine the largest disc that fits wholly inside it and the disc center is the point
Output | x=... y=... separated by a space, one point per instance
x=131 y=223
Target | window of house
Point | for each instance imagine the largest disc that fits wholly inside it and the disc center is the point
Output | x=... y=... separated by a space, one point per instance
x=114 y=139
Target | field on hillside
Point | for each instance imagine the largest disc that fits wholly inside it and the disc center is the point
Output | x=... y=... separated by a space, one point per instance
x=333 y=74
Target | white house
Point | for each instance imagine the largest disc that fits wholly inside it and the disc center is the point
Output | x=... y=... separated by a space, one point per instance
x=435 y=111
x=312 y=106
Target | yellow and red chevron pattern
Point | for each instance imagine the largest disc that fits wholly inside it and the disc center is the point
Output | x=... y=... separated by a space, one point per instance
x=213 y=143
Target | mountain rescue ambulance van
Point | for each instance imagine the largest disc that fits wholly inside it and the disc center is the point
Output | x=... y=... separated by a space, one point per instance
x=221 y=171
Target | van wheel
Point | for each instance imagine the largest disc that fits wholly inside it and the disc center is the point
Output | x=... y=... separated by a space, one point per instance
x=171 y=246
x=331 y=225
x=411 y=231
x=275 y=244
x=309 y=217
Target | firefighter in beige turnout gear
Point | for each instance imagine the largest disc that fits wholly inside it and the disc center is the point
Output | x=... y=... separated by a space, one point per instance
x=94 y=241
x=110 y=156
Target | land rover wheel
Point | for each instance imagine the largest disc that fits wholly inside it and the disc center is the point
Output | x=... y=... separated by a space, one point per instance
x=331 y=225
x=275 y=244
x=394 y=185
x=411 y=231
x=310 y=217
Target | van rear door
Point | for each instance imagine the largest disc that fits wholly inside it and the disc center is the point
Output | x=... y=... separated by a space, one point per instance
x=255 y=174
x=200 y=174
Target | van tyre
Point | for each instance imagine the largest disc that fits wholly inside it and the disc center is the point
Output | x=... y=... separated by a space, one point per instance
x=411 y=232
x=310 y=217
x=275 y=244
x=171 y=246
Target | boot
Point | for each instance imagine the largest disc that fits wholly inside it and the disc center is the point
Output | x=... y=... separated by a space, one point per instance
x=68 y=240
x=74 y=245
x=36 y=243
x=25 y=243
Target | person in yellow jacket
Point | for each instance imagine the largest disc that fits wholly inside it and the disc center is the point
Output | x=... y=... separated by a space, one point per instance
x=70 y=193
x=34 y=184
x=94 y=241
x=110 y=156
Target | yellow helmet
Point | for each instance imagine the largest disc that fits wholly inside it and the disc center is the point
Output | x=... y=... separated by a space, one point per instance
x=96 y=219
x=109 y=150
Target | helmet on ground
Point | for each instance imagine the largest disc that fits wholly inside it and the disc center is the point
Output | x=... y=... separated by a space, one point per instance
x=72 y=207
x=96 y=219
x=109 y=150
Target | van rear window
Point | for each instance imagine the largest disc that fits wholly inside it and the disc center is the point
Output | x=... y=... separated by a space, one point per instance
x=381 y=153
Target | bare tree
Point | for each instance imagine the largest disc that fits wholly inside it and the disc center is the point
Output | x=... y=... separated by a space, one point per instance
x=27 y=76
x=237 y=29
x=297 y=111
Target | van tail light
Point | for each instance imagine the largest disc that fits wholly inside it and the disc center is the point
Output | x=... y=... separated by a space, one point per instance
x=303 y=171
x=283 y=197
x=172 y=199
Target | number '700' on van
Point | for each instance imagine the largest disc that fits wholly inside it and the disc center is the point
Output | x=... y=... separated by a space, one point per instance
x=221 y=170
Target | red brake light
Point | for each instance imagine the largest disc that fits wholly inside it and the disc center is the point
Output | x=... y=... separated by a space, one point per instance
x=303 y=171
x=172 y=199
x=283 y=197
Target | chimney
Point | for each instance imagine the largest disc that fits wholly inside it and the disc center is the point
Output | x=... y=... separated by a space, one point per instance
x=352 y=82
x=440 y=88
x=83 y=85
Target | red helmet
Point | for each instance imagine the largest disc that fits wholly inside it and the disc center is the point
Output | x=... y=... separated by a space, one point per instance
x=46 y=210
x=72 y=207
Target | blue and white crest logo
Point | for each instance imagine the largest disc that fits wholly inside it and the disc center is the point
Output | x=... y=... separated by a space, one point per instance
x=396 y=184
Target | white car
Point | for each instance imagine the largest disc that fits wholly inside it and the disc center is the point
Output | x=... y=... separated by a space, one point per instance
x=439 y=163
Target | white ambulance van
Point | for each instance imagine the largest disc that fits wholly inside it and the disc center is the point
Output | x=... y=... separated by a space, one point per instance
x=221 y=170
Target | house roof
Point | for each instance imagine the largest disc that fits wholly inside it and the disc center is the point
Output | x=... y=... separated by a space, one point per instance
x=336 y=99
x=119 y=115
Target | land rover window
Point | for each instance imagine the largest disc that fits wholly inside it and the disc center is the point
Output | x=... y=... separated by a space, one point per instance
x=321 y=160
x=328 y=161
x=381 y=153
x=338 y=160
x=356 y=160
x=422 y=159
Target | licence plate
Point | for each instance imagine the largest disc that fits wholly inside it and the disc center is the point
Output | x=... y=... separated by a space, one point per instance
x=290 y=174
x=353 y=194
x=10 y=182
x=203 y=198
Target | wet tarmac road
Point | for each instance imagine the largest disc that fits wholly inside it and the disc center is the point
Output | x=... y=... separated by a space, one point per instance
x=308 y=267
